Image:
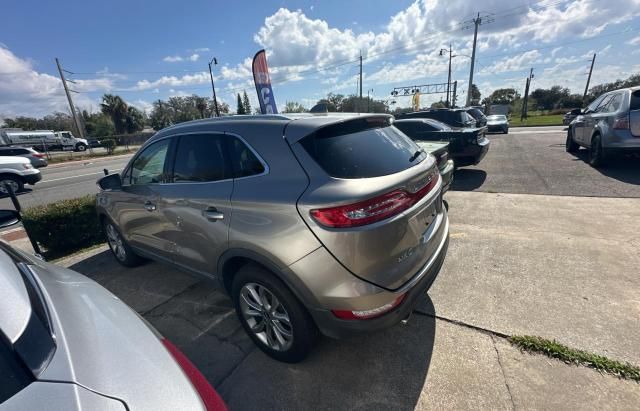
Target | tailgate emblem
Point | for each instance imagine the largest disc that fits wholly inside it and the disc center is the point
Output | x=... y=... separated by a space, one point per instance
x=418 y=185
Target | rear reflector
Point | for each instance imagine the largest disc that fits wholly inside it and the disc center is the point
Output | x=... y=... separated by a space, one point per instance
x=374 y=209
x=621 y=123
x=368 y=314
x=209 y=396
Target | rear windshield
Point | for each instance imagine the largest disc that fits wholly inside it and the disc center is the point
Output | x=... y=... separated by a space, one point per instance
x=635 y=100
x=362 y=148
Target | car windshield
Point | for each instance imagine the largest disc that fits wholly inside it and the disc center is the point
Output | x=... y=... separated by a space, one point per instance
x=497 y=118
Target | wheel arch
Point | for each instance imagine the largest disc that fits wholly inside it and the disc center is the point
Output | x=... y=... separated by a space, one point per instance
x=233 y=259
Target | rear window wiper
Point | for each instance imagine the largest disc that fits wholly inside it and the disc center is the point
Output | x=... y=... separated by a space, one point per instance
x=416 y=155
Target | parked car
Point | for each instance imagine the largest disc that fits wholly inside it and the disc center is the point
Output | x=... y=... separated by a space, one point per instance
x=440 y=150
x=498 y=122
x=16 y=172
x=37 y=159
x=67 y=343
x=455 y=118
x=93 y=143
x=569 y=116
x=467 y=146
x=337 y=227
x=609 y=125
x=478 y=116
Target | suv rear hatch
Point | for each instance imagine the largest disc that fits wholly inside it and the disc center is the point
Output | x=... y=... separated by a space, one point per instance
x=634 y=113
x=374 y=198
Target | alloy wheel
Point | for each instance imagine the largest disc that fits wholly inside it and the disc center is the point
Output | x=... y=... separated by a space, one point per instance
x=266 y=316
x=115 y=243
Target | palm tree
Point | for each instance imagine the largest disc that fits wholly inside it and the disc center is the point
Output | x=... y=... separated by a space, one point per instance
x=116 y=108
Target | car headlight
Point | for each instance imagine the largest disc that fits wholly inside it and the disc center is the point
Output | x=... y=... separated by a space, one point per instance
x=27 y=166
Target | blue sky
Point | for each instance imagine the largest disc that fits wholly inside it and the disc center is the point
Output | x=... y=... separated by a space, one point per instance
x=148 y=50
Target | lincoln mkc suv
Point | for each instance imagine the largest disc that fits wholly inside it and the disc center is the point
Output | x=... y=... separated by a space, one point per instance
x=313 y=225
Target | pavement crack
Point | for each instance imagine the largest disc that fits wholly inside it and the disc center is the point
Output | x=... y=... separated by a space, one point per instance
x=186 y=290
x=504 y=376
x=463 y=324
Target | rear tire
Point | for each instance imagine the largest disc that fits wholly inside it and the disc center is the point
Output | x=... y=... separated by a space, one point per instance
x=570 y=145
x=14 y=182
x=596 y=153
x=123 y=253
x=271 y=315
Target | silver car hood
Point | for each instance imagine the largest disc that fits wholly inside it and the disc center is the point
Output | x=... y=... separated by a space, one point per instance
x=105 y=347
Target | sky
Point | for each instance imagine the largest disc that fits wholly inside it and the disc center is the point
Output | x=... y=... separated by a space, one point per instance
x=150 y=50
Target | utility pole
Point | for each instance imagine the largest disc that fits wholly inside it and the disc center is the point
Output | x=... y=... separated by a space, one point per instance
x=360 y=102
x=525 y=103
x=453 y=99
x=449 y=78
x=477 y=21
x=213 y=88
x=76 y=120
x=586 y=89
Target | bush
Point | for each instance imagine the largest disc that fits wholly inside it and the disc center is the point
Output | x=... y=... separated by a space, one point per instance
x=109 y=144
x=64 y=227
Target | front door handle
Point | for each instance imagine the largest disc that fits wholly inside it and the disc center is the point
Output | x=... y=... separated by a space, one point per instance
x=149 y=206
x=212 y=214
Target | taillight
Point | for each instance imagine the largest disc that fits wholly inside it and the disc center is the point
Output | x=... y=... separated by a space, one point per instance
x=374 y=209
x=621 y=123
x=368 y=314
x=39 y=155
x=209 y=396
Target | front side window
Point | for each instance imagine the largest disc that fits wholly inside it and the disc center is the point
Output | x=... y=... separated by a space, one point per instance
x=148 y=167
x=201 y=158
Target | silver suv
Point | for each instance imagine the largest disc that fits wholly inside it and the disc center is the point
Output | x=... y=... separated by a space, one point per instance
x=609 y=125
x=330 y=224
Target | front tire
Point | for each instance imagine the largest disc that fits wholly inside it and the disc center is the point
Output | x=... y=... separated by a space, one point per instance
x=81 y=147
x=16 y=184
x=570 y=145
x=119 y=247
x=596 y=153
x=271 y=315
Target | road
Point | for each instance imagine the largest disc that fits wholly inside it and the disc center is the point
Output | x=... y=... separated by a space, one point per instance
x=62 y=181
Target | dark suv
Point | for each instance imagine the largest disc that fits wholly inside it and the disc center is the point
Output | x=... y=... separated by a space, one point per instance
x=310 y=223
x=456 y=118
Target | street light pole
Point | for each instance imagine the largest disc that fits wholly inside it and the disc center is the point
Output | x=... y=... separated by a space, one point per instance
x=449 y=76
x=213 y=88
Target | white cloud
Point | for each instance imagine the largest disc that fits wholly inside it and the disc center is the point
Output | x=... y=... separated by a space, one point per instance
x=194 y=57
x=27 y=92
x=174 y=81
x=142 y=105
x=172 y=59
x=634 y=41
x=202 y=50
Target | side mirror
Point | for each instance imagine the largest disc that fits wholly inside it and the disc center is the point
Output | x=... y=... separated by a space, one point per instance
x=9 y=218
x=110 y=182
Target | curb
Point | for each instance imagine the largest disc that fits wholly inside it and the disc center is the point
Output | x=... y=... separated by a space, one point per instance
x=88 y=160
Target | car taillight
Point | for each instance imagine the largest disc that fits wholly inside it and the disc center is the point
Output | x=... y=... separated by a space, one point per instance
x=621 y=123
x=209 y=396
x=368 y=314
x=374 y=209
x=39 y=155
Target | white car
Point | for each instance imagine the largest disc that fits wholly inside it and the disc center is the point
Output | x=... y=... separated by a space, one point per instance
x=16 y=172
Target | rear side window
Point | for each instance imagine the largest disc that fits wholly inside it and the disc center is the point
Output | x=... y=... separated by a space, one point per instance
x=201 y=158
x=243 y=160
x=635 y=100
x=362 y=148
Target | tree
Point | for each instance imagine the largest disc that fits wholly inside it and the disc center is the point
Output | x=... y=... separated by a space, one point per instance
x=201 y=105
x=240 y=108
x=333 y=102
x=245 y=103
x=161 y=116
x=116 y=108
x=503 y=96
x=294 y=107
x=98 y=125
x=438 y=104
x=134 y=120
x=600 y=89
x=475 y=95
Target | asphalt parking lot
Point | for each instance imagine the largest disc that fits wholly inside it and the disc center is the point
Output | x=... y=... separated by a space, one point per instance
x=541 y=244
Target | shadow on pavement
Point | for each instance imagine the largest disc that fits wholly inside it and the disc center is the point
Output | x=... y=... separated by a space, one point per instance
x=379 y=371
x=383 y=370
x=468 y=179
x=622 y=168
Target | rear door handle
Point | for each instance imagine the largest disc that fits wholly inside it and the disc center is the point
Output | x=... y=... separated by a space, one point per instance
x=212 y=214
x=149 y=206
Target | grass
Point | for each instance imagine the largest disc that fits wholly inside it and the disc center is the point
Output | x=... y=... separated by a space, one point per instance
x=569 y=355
x=546 y=120
x=86 y=155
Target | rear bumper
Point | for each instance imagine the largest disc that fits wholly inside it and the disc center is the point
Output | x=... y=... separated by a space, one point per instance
x=447 y=175
x=500 y=127
x=473 y=154
x=334 y=327
x=621 y=141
